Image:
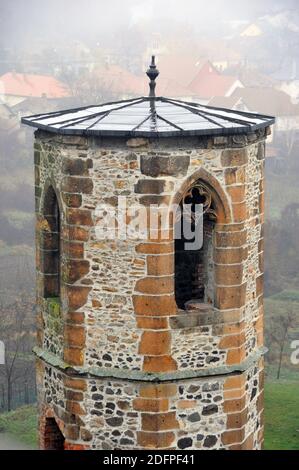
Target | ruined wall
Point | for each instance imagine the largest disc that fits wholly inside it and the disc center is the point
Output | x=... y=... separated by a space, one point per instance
x=117 y=306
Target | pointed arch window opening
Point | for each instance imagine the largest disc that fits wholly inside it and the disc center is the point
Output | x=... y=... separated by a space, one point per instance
x=51 y=245
x=194 y=268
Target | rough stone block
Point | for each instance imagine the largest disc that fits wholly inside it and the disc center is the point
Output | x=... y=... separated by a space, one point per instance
x=154 y=440
x=159 y=364
x=155 y=343
x=159 y=421
x=72 y=184
x=77 y=296
x=233 y=158
x=152 y=186
x=155 y=285
x=156 y=165
x=163 y=305
x=230 y=297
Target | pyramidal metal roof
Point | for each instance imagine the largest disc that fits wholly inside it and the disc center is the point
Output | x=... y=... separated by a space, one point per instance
x=149 y=117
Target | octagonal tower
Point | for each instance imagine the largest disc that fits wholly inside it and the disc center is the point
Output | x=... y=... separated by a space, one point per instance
x=142 y=343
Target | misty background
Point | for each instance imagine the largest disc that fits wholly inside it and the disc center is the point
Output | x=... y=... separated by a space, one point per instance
x=66 y=53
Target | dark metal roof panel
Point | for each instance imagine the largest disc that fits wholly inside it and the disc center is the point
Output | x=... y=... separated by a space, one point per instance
x=149 y=117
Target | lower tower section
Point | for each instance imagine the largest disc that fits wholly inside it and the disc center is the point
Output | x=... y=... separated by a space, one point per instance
x=207 y=413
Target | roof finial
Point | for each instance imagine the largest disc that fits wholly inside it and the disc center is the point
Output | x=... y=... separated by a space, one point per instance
x=152 y=74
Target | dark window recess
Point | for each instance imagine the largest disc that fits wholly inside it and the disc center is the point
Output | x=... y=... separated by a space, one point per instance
x=194 y=269
x=50 y=252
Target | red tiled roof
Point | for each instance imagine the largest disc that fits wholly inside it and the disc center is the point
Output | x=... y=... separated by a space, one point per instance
x=267 y=101
x=123 y=82
x=209 y=83
x=27 y=85
x=180 y=68
x=224 y=101
x=172 y=88
x=120 y=81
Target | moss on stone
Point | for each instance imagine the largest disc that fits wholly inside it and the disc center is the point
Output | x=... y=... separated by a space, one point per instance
x=54 y=320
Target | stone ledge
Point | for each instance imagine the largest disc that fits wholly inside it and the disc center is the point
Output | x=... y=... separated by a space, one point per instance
x=140 y=376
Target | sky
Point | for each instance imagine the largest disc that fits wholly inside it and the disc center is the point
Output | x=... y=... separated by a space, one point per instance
x=23 y=21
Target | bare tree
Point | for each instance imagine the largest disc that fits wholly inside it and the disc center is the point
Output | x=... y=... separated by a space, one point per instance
x=90 y=87
x=278 y=334
x=16 y=326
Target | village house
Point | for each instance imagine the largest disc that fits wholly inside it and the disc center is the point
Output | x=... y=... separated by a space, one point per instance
x=209 y=83
x=26 y=92
x=287 y=78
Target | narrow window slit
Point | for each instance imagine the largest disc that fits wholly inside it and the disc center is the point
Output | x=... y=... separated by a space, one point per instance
x=194 y=265
x=50 y=252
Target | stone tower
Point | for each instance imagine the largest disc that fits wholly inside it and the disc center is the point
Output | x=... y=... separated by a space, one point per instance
x=142 y=343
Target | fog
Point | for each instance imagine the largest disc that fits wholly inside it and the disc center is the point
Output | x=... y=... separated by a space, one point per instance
x=26 y=21
x=94 y=51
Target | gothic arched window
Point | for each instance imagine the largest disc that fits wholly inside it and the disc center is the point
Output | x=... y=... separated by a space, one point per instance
x=194 y=266
x=51 y=245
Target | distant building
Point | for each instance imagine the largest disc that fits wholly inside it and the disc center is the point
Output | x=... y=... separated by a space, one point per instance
x=9 y=122
x=209 y=83
x=125 y=85
x=181 y=68
x=120 y=82
x=252 y=31
x=268 y=101
x=229 y=102
x=287 y=77
x=17 y=87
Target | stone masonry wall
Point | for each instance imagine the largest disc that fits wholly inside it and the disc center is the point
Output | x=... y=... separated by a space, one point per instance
x=117 y=302
x=199 y=414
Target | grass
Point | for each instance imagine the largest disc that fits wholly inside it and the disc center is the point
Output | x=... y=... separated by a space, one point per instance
x=21 y=423
x=281 y=415
x=286 y=296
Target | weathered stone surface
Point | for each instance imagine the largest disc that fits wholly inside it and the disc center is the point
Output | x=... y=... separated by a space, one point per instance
x=72 y=184
x=156 y=165
x=75 y=270
x=159 y=364
x=159 y=421
x=154 y=406
x=152 y=285
x=158 y=390
x=117 y=323
x=210 y=441
x=231 y=275
x=150 y=440
x=160 y=265
x=136 y=143
x=231 y=240
x=163 y=305
x=79 y=217
x=155 y=248
x=72 y=200
x=230 y=297
x=76 y=167
x=155 y=200
x=233 y=158
x=151 y=186
x=74 y=336
x=152 y=323
x=77 y=296
x=155 y=343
